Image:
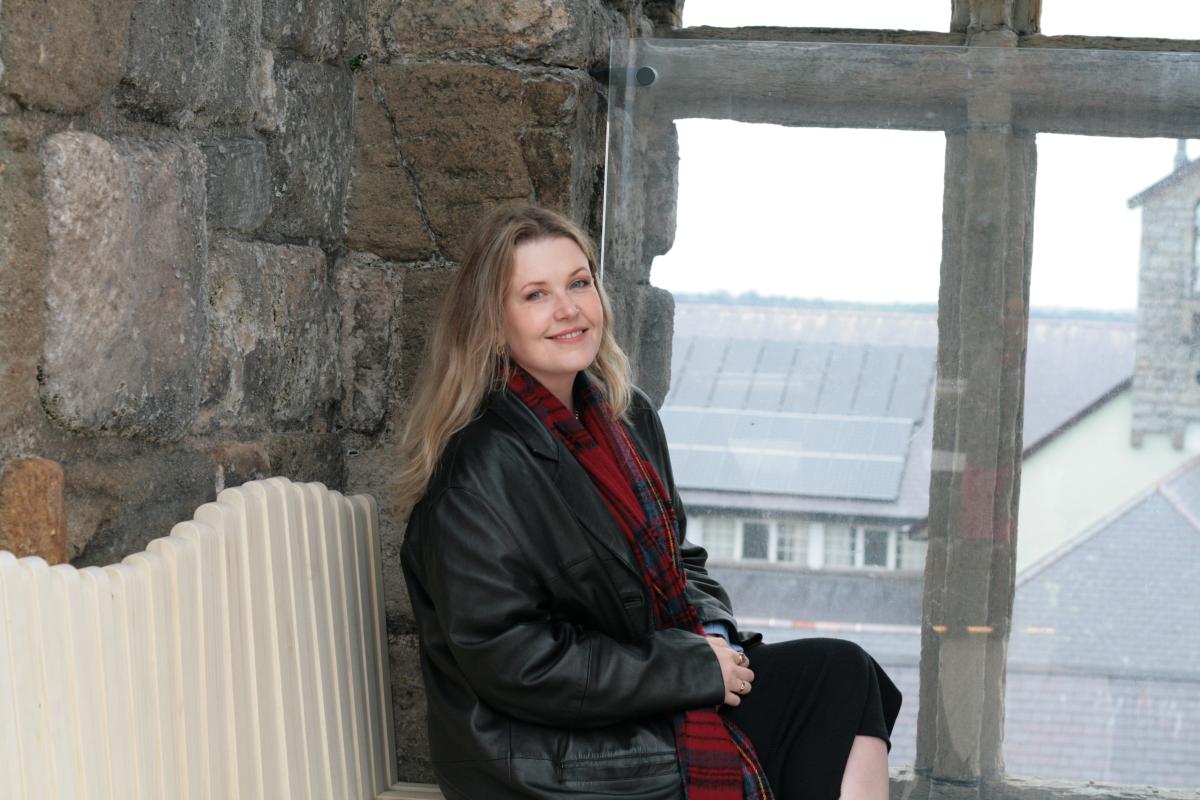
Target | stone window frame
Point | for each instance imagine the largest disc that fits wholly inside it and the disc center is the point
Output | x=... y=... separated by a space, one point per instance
x=977 y=424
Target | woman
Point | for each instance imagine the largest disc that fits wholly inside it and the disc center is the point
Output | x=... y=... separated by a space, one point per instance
x=572 y=643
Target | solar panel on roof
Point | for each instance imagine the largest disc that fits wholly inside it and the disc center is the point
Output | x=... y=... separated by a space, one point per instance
x=694 y=389
x=730 y=389
x=707 y=354
x=767 y=392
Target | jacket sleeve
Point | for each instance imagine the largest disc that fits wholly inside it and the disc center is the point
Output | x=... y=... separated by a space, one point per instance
x=495 y=616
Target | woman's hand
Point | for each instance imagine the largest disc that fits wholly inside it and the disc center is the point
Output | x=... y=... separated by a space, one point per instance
x=735 y=670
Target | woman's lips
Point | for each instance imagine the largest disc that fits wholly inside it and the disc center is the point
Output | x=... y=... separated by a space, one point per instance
x=568 y=336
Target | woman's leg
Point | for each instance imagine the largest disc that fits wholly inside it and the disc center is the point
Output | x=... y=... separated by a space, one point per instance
x=810 y=701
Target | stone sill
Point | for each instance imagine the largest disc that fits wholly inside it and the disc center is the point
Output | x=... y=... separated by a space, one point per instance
x=907 y=785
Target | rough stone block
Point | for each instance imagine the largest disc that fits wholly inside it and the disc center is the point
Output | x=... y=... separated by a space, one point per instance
x=314 y=28
x=274 y=337
x=193 y=57
x=306 y=457
x=23 y=253
x=572 y=33
x=463 y=130
x=383 y=216
x=239 y=183
x=62 y=56
x=238 y=462
x=373 y=471
x=310 y=150
x=121 y=495
x=423 y=293
x=408 y=708
x=125 y=290
x=33 y=520
x=369 y=292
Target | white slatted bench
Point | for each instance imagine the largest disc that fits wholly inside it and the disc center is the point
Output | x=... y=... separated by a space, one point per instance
x=242 y=657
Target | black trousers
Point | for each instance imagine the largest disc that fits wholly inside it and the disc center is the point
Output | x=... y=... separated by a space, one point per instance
x=811 y=697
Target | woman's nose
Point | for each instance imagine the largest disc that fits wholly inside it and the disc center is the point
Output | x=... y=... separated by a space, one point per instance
x=566 y=308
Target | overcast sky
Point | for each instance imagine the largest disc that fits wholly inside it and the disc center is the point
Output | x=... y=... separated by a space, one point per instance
x=853 y=214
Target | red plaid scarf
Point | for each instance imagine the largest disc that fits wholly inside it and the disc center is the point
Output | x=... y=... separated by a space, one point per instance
x=716 y=759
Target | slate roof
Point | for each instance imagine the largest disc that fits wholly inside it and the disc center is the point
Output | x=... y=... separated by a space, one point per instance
x=830 y=411
x=1090 y=608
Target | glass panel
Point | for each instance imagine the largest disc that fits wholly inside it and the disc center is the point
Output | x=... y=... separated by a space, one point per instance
x=839 y=546
x=1104 y=656
x=791 y=543
x=857 y=223
x=1169 y=19
x=720 y=536
x=910 y=552
x=875 y=547
x=754 y=540
x=919 y=15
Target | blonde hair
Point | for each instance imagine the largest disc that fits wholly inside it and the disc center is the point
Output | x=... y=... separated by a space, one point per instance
x=467 y=355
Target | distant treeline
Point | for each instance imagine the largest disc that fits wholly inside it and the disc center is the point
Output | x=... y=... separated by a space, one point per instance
x=756 y=299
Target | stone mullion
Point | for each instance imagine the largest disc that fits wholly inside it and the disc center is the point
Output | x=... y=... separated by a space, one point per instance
x=969 y=575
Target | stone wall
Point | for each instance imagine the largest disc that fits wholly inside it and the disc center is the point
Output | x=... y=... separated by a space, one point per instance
x=1166 y=383
x=225 y=226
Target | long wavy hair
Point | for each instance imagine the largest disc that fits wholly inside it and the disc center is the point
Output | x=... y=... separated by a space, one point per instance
x=467 y=354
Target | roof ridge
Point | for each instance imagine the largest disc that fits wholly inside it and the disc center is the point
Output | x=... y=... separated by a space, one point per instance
x=1168 y=492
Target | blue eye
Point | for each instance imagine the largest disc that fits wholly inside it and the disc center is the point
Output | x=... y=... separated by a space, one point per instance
x=534 y=295
x=582 y=283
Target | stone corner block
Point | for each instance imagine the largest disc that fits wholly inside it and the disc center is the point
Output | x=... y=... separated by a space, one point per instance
x=316 y=29
x=310 y=150
x=305 y=457
x=238 y=183
x=125 y=291
x=63 y=56
x=573 y=33
x=478 y=136
x=382 y=216
x=33 y=519
x=193 y=57
x=370 y=294
x=239 y=462
x=272 y=315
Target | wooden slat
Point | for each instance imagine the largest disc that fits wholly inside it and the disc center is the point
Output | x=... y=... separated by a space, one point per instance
x=355 y=631
x=379 y=689
x=12 y=727
x=287 y=530
x=153 y=619
x=184 y=643
x=61 y=727
x=118 y=702
x=217 y=664
x=84 y=606
x=138 y=690
x=328 y=608
x=228 y=521
x=344 y=619
x=274 y=522
x=259 y=582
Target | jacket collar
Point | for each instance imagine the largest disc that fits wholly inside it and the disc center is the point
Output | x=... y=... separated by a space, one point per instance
x=570 y=478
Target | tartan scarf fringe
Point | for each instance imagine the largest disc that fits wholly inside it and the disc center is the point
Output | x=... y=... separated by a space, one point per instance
x=716 y=760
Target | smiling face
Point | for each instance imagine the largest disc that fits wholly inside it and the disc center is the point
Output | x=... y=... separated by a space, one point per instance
x=553 y=319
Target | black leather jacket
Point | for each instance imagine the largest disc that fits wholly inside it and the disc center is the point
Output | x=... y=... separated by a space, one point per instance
x=544 y=675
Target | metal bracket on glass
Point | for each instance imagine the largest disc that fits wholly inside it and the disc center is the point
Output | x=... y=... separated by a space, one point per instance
x=630 y=76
